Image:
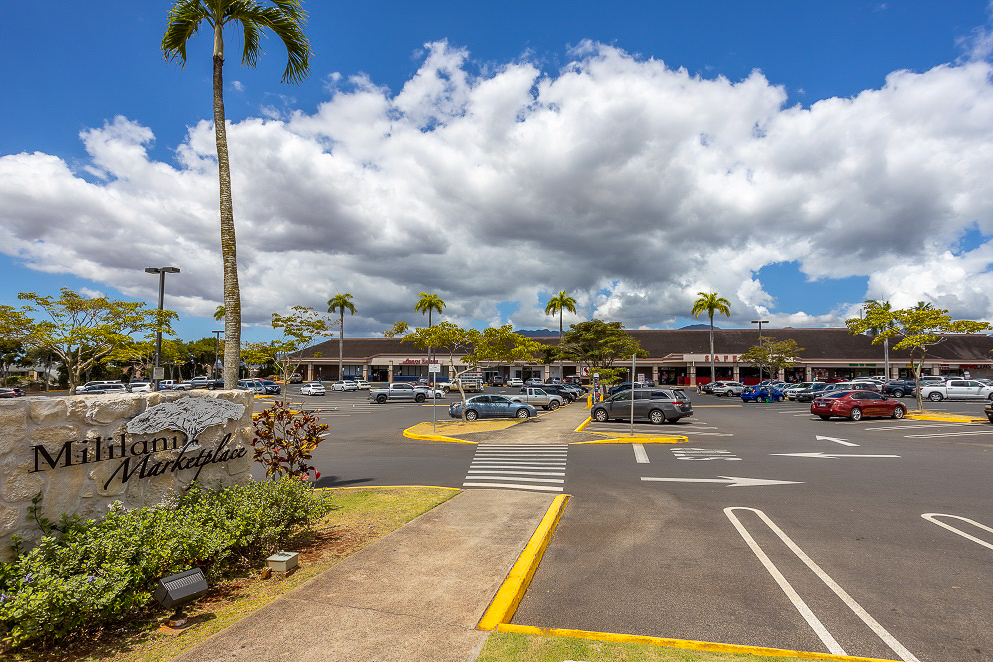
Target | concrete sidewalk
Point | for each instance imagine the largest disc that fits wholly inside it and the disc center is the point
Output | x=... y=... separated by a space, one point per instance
x=417 y=594
x=553 y=428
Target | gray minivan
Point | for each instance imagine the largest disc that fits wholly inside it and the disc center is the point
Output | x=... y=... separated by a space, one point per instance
x=658 y=405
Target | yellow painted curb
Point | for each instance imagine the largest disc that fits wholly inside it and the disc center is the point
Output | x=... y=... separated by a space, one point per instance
x=433 y=437
x=583 y=424
x=945 y=418
x=504 y=604
x=671 y=439
x=690 y=644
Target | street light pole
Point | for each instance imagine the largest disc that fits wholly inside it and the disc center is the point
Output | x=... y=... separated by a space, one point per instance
x=161 y=271
x=760 y=323
x=217 y=344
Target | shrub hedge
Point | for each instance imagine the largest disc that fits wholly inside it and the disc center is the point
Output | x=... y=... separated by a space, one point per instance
x=99 y=571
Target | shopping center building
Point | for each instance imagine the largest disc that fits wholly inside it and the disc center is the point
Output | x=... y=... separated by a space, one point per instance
x=674 y=356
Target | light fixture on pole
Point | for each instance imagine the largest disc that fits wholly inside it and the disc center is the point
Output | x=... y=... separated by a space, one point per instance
x=217 y=358
x=161 y=271
x=760 y=323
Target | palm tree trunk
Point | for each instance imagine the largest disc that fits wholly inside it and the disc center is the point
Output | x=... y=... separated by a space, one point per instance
x=713 y=377
x=341 y=343
x=229 y=252
x=561 y=369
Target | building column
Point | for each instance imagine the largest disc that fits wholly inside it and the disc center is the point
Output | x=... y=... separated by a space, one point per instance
x=310 y=372
x=808 y=374
x=735 y=373
x=691 y=373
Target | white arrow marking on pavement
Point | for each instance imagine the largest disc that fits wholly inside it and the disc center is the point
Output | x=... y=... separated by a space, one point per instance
x=730 y=481
x=835 y=440
x=828 y=456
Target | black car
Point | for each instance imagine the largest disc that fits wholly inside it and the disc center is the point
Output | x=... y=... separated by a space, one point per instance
x=807 y=395
x=271 y=387
x=899 y=387
x=988 y=410
x=708 y=388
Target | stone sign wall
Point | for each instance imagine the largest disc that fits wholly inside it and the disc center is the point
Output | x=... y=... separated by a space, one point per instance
x=82 y=453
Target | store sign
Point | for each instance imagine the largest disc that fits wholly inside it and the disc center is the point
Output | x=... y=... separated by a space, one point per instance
x=191 y=416
x=725 y=358
x=417 y=362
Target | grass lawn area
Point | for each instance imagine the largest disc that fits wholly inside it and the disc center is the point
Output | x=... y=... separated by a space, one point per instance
x=515 y=647
x=363 y=516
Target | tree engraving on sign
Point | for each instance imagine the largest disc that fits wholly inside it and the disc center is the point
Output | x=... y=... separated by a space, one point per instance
x=190 y=415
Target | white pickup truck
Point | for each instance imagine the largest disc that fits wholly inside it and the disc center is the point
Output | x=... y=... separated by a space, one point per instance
x=956 y=389
x=403 y=392
x=538 y=397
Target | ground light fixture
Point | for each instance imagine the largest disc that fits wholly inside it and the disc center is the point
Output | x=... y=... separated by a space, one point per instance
x=161 y=271
x=176 y=591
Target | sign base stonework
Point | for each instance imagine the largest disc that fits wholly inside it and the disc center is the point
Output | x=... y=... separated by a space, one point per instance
x=83 y=453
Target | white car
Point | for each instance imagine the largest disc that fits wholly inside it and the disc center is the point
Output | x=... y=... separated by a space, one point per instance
x=312 y=388
x=140 y=387
x=94 y=384
x=344 y=386
x=515 y=381
x=728 y=389
x=361 y=383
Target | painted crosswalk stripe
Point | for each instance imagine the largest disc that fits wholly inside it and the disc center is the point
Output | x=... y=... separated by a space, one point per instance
x=514 y=486
x=517 y=473
x=518 y=467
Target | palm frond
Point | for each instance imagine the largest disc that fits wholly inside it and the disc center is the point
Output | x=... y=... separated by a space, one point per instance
x=285 y=18
x=184 y=21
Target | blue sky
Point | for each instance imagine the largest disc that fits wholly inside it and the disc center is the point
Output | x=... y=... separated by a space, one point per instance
x=69 y=69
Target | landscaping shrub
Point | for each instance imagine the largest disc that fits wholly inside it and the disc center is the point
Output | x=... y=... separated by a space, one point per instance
x=98 y=571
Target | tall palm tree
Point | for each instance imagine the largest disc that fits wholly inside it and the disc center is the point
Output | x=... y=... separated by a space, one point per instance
x=710 y=302
x=875 y=331
x=425 y=304
x=285 y=18
x=558 y=304
x=428 y=302
x=340 y=303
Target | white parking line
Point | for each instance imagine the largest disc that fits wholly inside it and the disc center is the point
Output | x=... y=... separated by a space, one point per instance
x=944 y=434
x=801 y=606
x=640 y=456
x=909 y=426
x=931 y=518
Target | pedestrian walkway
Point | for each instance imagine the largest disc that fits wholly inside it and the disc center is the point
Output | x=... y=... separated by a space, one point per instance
x=416 y=594
x=540 y=468
x=550 y=428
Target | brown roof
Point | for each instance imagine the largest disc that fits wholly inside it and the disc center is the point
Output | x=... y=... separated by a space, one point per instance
x=816 y=344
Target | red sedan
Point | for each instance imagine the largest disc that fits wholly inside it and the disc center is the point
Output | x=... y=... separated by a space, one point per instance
x=855 y=405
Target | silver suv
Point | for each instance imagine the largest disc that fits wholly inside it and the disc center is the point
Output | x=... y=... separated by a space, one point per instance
x=658 y=405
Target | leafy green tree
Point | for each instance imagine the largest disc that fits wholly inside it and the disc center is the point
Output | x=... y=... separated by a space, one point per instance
x=773 y=355
x=12 y=352
x=300 y=327
x=597 y=344
x=83 y=332
x=492 y=345
x=711 y=303
x=398 y=330
x=340 y=303
x=285 y=19
x=918 y=329
x=874 y=331
x=558 y=304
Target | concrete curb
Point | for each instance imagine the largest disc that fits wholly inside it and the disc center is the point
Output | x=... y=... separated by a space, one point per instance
x=688 y=644
x=671 y=439
x=434 y=437
x=583 y=425
x=509 y=595
x=388 y=487
x=944 y=418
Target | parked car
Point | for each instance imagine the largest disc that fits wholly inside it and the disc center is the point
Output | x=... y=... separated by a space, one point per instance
x=7 y=393
x=515 y=381
x=140 y=387
x=87 y=385
x=540 y=397
x=856 y=405
x=559 y=389
x=206 y=382
x=491 y=406
x=18 y=391
x=898 y=387
x=173 y=385
x=251 y=385
x=296 y=378
x=792 y=389
x=957 y=389
x=344 y=386
x=496 y=380
x=727 y=389
x=807 y=395
x=708 y=388
x=761 y=394
x=312 y=388
x=99 y=389
x=534 y=381
x=399 y=391
x=271 y=387
x=988 y=410
x=361 y=383
x=658 y=405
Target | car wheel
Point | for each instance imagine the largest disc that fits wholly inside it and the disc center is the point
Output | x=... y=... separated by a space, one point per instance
x=523 y=413
x=991 y=418
x=856 y=414
x=779 y=398
x=824 y=418
x=656 y=416
x=380 y=398
x=935 y=397
x=420 y=397
x=600 y=415
x=446 y=389
x=898 y=393
x=471 y=415
x=553 y=405
x=899 y=412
